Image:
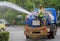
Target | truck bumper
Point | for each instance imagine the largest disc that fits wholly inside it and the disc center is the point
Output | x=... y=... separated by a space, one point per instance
x=35 y=35
x=29 y=32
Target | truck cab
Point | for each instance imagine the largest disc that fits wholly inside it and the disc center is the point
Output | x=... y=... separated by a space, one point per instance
x=33 y=29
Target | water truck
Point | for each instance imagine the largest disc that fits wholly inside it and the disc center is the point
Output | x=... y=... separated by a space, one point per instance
x=33 y=29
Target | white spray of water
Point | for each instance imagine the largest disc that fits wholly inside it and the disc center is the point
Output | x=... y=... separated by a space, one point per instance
x=13 y=6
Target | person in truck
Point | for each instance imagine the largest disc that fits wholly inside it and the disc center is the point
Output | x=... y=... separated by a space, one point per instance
x=41 y=14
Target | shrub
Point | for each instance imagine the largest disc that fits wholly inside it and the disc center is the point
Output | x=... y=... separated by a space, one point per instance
x=4 y=36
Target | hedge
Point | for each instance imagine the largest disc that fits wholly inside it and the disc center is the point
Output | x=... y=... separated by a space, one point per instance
x=4 y=36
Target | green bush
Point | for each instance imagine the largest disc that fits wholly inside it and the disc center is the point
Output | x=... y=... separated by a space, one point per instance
x=4 y=36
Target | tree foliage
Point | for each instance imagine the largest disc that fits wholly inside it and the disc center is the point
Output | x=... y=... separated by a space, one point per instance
x=28 y=5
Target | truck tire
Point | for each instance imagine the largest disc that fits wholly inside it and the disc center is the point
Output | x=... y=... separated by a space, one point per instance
x=2 y=29
x=55 y=30
x=51 y=35
x=48 y=36
x=52 y=32
x=27 y=36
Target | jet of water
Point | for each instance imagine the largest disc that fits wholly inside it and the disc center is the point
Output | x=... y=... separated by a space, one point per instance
x=13 y=6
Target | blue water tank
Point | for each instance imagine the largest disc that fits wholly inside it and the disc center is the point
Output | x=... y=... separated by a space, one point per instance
x=53 y=10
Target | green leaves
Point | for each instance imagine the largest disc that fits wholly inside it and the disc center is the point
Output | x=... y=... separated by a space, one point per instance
x=4 y=36
x=28 y=5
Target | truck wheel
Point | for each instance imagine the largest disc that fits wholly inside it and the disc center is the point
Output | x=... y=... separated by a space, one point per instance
x=55 y=30
x=52 y=34
x=27 y=36
x=2 y=29
x=48 y=36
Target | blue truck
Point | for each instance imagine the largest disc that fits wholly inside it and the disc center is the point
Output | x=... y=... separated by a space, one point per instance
x=34 y=30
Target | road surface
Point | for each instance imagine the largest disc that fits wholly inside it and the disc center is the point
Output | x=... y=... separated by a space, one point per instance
x=17 y=34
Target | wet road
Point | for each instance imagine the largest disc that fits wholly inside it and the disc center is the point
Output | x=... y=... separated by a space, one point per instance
x=17 y=34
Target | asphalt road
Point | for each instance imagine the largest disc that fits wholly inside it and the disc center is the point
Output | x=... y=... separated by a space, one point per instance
x=17 y=34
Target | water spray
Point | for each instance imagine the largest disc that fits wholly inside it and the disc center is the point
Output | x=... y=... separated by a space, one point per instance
x=13 y=6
